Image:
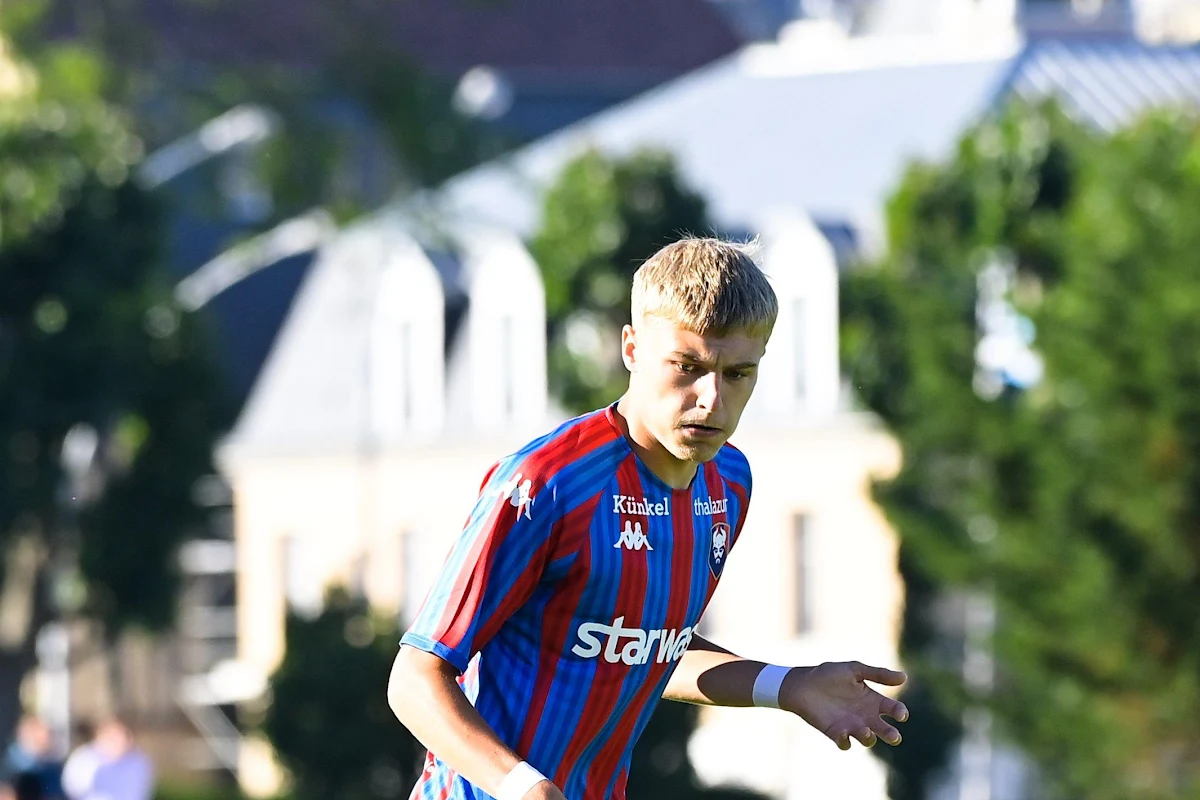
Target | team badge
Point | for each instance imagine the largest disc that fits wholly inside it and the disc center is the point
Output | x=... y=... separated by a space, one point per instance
x=719 y=548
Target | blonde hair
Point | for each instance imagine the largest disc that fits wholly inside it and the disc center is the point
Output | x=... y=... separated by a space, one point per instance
x=707 y=286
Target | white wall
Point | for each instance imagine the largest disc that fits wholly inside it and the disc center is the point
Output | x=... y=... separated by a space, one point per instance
x=1174 y=21
x=799 y=375
x=942 y=17
x=506 y=332
x=406 y=361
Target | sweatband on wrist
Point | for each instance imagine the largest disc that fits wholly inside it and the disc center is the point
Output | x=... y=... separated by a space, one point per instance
x=768 y=684
x=516 y=783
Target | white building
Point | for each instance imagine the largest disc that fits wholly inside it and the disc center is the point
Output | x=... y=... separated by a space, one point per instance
x=405 y=370
x=825 y=121
x=820 y=125
x=407 y=365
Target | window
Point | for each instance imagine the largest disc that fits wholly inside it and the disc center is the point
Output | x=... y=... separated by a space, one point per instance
x=799 y=344
x=303 y=576
x=508 y=366
x=356 y=584
x=801 y=578
x=405 y=369
x=392 y=349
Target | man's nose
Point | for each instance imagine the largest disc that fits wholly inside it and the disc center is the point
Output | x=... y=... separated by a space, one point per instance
x=708 y=392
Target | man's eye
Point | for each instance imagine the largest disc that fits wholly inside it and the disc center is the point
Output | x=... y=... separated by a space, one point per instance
x=737 y=376
x=686 y=369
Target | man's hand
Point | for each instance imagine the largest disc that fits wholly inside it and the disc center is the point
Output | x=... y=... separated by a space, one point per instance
x=544 y=791
x=835 y=700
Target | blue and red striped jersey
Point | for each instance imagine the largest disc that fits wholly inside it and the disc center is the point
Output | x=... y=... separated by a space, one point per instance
x=570 y=596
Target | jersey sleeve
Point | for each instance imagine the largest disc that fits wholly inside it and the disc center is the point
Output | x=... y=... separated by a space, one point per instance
x=493 y=567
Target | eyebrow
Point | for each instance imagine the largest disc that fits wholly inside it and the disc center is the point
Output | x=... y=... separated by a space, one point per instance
x=680 y=354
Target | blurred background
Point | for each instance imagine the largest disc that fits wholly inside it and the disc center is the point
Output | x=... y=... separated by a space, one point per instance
x=280 y=280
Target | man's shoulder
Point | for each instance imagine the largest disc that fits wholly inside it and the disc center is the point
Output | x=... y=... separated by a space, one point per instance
x=576 y=452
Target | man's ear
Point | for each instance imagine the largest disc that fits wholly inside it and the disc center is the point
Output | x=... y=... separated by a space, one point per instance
x=629 y=348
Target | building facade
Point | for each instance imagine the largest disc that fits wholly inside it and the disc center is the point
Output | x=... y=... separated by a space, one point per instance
x=405 y=371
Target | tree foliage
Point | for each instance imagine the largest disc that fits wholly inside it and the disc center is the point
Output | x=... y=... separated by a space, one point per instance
x=358 y=119
x=1075 y=499
x=89 y=336
x=602 y=218
x=329 y=720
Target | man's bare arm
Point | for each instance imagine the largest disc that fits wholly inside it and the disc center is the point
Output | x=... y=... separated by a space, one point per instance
x=710 y=675
x=425 y=697
x=832 y=697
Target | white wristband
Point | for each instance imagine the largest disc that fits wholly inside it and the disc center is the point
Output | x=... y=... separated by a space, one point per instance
x=768 y=684
x=518 y=782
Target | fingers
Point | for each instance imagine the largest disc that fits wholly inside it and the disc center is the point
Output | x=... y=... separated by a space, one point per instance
x=887 y=677
x=867 y=735
x=894 y=709
x=869 y=738
x=886 y=733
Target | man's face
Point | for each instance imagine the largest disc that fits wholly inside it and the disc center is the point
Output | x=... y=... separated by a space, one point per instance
x=690 y=389
x=33 y=736
x=112 y=739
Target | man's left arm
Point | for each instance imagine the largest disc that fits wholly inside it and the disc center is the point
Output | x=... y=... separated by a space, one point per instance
x=833 y=697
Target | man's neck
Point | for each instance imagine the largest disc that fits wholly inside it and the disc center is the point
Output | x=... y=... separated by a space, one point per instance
x=670 y=470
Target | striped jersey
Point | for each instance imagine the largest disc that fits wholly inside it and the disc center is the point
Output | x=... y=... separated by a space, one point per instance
x=571 y=595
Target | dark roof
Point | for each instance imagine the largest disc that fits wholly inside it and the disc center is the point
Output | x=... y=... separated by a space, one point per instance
x=664 y=37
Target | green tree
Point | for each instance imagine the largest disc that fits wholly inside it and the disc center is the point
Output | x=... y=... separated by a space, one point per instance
x=602 y=218
x=90 y=340
x=328 y=719
x=359 y=121
x=1074 y=500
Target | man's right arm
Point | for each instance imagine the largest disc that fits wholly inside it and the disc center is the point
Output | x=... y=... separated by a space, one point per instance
x=493 y=568
x=426 y=698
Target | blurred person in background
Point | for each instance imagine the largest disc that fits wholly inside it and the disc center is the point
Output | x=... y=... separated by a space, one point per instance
x=109 y=767
x=77 y=772
x=31 y=756
x=81 y=765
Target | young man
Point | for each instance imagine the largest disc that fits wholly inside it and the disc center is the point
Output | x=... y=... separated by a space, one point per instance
x=568 y=606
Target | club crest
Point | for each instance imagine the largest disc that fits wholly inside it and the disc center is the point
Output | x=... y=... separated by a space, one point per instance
x=719 y=548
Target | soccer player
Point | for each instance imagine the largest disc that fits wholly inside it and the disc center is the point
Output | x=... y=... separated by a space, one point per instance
x=568 y=605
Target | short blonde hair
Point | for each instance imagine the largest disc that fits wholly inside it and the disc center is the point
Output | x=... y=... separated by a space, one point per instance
x=707 y=286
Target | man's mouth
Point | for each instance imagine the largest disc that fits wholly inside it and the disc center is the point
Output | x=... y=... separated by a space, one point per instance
x=700 y=430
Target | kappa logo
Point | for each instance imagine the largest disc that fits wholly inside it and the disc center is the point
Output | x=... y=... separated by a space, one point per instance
x=518 y=493
x=633 y=538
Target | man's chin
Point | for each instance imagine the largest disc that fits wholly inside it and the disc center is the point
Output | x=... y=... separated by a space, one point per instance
x=698 y=452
